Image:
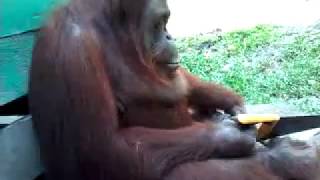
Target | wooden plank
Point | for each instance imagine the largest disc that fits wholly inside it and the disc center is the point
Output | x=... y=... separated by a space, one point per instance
x=15 y=58
x=17 y=16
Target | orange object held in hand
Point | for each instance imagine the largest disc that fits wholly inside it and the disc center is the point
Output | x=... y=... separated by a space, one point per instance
x=257 y=118
x=268 y=121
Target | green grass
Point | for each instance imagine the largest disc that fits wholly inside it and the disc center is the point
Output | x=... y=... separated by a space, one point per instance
x=265 y=64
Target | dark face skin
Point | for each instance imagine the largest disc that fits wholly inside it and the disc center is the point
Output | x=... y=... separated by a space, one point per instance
x=158 y=40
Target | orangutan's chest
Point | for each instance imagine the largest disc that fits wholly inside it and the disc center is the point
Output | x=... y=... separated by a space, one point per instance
x=157 y=116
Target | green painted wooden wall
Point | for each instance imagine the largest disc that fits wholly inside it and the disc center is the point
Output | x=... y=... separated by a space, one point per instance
x=17 y=16
x=17 y=19
x=15 y=56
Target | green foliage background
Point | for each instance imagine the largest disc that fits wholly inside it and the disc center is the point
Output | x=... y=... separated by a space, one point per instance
x=266 y=64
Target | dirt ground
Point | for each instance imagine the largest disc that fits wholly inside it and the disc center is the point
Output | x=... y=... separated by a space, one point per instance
x=199 y=16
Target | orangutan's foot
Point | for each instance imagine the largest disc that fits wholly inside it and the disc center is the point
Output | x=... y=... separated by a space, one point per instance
x=315 y=141
x=300 y=158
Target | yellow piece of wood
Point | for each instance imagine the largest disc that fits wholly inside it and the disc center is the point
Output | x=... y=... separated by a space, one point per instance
x=257 y=118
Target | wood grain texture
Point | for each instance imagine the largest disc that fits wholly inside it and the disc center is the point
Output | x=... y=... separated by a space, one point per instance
x=15 y=58
x=17 y=16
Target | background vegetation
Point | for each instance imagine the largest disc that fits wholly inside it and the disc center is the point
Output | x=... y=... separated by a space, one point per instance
x=266 y=64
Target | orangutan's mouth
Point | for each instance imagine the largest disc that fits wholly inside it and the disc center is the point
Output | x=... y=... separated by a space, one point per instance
x=173 y=65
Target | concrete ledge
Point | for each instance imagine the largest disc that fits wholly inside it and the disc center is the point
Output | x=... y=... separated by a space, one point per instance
x=282 y=109
x=19 y=152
